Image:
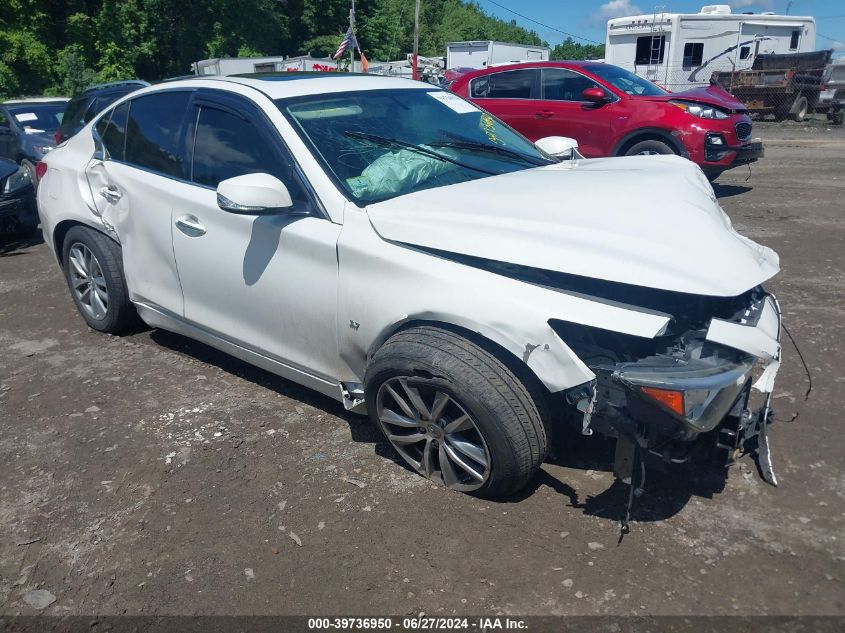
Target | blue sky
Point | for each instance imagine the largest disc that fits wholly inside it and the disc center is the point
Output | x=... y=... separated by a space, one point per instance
x=587 y=18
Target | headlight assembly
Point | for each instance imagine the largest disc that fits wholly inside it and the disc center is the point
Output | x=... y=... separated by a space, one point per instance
x=700 y=110
x=17 y=181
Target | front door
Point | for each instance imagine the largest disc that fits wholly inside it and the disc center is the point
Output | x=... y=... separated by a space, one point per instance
x=562 y=111
x=266 y=282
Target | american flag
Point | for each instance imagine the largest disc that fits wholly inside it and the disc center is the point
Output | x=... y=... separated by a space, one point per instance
x=348 y=39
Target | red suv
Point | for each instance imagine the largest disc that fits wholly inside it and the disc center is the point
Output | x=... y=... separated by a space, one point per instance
x=613 y=112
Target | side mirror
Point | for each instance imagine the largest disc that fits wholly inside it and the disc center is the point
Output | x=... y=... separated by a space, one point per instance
x=253 y=194
x=594 y=95
x=561 y=147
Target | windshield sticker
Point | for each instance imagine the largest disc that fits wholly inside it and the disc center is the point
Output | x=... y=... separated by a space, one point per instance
x=488 y=126
x=453 y=102
x=23 y=117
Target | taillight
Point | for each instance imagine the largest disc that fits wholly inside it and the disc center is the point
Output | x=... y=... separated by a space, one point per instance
x=40 y=169
x=58 y=137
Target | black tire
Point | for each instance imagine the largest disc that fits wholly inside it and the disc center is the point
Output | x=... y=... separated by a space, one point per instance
x=799 y=109
x=506 y=405
x=650 y=146
x=120 y=314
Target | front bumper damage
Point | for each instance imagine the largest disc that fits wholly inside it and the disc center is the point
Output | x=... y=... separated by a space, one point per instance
x=694 y=395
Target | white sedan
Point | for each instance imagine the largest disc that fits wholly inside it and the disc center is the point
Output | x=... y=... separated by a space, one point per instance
x=391 y=245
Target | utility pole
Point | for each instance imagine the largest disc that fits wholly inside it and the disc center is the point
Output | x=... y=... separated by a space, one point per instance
x=351 y=47
x=414 y=72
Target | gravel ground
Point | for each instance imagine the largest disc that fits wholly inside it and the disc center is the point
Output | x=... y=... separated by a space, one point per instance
x=148 y=474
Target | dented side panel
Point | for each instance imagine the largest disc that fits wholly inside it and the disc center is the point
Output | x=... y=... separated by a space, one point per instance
x=383 y=285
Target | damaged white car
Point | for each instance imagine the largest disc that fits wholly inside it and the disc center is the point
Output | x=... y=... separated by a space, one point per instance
x=394 y=247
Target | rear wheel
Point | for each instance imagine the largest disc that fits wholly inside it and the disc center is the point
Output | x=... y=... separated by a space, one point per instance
x=456 y=413
x=649 y=147
x=94 y=271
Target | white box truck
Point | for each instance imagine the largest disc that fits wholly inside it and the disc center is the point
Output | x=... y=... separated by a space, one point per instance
x=481 y=54
x=280 y=64
x=682 y=50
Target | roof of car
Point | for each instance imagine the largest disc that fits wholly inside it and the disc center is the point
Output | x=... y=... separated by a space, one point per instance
x=560 y=63
x=116 y=84
x=294 y=84
x=28 y=100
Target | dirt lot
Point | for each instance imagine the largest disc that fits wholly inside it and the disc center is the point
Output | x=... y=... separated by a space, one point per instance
x=153 y=475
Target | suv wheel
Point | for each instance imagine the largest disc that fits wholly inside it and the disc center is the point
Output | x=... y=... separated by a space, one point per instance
x=94 y=271
x=456 y=413
x=649 y=148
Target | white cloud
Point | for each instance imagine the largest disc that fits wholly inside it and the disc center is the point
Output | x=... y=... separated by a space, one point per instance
x=744 y=4
x=617 y=9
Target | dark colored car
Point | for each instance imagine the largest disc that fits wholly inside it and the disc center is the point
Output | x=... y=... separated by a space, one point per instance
x=18 y=213
x=89 y=103
x=613 y=112
x=28 y=128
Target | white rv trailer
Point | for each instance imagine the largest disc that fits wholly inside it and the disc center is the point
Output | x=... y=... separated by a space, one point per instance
x=681 y=50
x=481 y=54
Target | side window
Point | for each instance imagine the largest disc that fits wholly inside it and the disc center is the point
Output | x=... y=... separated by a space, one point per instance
x=693 y=54
x=114 y=133
x=793 y=41
x=744 y=52
x=4 y=120
x=511 y=84
x=227 y=145
x=650 y=49
x=560 y=84
x=153 y=133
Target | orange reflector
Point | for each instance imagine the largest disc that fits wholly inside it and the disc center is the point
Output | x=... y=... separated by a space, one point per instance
x=672 y=400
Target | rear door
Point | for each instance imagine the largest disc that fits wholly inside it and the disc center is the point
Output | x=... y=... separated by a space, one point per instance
x=562 y=111
x=132 y=183
x=510 y=95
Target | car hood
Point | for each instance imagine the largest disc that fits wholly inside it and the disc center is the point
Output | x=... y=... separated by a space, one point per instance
x=648 y=221
x=7 y=168
x=709 y=95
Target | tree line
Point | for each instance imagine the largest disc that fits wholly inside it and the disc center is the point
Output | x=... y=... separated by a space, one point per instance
x=59 y=48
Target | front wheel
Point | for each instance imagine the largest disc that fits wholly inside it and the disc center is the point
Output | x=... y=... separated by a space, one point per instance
x=456 y=413
x=94 y=272
x=649 y=148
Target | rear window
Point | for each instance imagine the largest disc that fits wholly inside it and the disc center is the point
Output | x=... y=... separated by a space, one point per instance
x=153 y=134
x=511 y=84
x=39 y=117
x=75 y=111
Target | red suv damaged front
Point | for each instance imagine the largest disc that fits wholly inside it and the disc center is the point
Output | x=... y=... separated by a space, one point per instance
x=613 y=112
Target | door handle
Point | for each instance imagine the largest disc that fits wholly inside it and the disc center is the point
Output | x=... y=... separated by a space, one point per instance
x=111 y=193
x=190 y=226
x=544 y=114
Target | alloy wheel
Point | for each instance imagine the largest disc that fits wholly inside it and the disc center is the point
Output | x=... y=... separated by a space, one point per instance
x=433 y=432
x=87 y=281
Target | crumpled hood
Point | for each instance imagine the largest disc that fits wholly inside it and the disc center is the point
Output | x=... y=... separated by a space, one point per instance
x=709 y=95
x=7 y=168
x=648 y=221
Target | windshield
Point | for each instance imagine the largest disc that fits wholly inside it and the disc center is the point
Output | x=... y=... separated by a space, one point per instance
x=625 y=81
x=38 y=117
x=379 y=144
